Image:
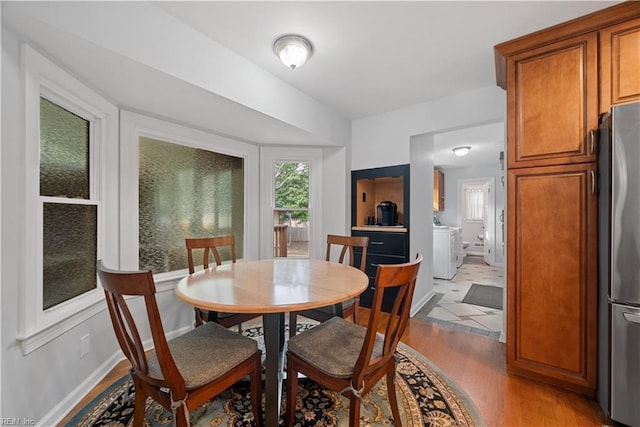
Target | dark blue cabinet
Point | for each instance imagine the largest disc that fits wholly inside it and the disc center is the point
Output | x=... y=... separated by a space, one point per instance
x=387 y=245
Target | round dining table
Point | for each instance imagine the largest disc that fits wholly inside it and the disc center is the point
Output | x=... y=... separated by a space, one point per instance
x=272 y=287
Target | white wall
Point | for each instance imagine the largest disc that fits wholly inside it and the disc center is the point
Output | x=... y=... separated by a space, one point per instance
x=421 y=232
x=50 y=379
x=336 y=206
x=389 y=139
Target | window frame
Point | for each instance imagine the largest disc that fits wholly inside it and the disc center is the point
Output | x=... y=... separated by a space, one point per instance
x=43 y=78
x=269 y=156
x=132 y=127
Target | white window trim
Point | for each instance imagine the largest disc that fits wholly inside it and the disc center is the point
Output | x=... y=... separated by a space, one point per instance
x=268 y=157
x=43 y=78
x=132 y=127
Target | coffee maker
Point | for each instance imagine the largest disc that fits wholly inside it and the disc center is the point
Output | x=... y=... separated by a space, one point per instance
x=387 y=213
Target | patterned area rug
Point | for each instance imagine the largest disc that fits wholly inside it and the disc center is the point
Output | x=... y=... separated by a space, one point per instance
x=425 y=395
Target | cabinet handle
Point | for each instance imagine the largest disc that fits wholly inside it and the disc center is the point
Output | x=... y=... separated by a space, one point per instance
x=374 y=265
x=592 y=137
x=593 y=182
x=377 y=243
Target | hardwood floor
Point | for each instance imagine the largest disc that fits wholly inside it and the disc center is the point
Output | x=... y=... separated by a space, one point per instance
x=477 y=364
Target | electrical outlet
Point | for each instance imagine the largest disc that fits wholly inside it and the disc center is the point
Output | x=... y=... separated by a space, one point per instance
x=85 y=345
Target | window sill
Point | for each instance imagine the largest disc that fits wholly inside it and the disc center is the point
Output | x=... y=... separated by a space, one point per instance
x=36 y=339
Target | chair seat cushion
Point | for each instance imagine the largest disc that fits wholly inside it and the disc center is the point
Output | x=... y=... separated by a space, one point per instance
x=333 y=347
x=205 y=353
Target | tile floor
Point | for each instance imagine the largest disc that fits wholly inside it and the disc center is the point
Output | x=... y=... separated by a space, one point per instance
x=446 y=308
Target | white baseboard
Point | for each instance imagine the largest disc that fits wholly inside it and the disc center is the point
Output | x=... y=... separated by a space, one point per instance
x=61 y=410
x=415 y=308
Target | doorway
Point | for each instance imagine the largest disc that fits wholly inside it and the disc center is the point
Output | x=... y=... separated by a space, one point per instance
x=476 y=217
x=483 y=161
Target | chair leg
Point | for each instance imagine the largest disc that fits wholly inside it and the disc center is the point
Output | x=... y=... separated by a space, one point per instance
x=356 y=308
x=292 y=393
x=198 y=321
x=391 y=390
x=181 y=417
x=293 y=319
x=354 y=411
x=140 y=401
x=256 y=392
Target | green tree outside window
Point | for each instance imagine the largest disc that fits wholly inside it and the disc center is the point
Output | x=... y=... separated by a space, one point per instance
x=292 y=189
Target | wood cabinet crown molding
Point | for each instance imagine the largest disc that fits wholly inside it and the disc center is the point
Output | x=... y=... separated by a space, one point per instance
x=585 y=24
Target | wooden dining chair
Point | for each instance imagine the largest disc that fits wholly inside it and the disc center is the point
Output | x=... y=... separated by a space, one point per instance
x=184 y=373
x=212 y=245
x=348 y=358
x=347 y=308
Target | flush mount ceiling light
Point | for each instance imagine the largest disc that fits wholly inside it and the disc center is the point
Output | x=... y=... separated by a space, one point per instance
x=293 y=50
x=461 y=151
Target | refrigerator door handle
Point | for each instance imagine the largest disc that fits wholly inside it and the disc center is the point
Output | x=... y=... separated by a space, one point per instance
x=631 y=317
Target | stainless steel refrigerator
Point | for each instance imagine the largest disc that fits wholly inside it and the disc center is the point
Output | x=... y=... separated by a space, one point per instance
x=619 y=264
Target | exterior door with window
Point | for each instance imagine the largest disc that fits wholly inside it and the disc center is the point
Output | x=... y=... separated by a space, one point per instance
x=291 y=215
x=291 y=196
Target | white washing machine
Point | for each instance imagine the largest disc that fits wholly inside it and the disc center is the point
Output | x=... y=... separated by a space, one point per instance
x=445 y=257
x=459 y=247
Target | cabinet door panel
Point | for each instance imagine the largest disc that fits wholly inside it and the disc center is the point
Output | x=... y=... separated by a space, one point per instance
x=366 y=298
x=552 y=282
x=553 y=103
x=438 y=190
x=619 y=64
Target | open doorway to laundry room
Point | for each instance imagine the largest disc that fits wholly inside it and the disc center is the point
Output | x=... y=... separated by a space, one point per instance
x=468 y=231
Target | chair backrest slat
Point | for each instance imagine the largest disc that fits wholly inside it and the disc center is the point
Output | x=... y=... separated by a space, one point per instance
x=348 y=243
x=209 y=244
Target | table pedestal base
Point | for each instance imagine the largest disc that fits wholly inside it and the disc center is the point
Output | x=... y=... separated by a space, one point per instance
x=274 y=348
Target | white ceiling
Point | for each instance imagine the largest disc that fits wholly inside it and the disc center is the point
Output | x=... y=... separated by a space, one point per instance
x=373 y=57
x=486 y=142
x=369 y=58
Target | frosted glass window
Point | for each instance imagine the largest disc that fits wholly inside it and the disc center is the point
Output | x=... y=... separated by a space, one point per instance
x=64 y=152
x=186 y=192
x=69 y=245
x=69 y=251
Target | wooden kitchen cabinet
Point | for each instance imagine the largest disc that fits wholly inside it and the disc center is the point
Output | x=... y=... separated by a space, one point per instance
x=619 y=64
x=552 y=274
x=558 y=80
x=553 y=103
x=438 y=190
